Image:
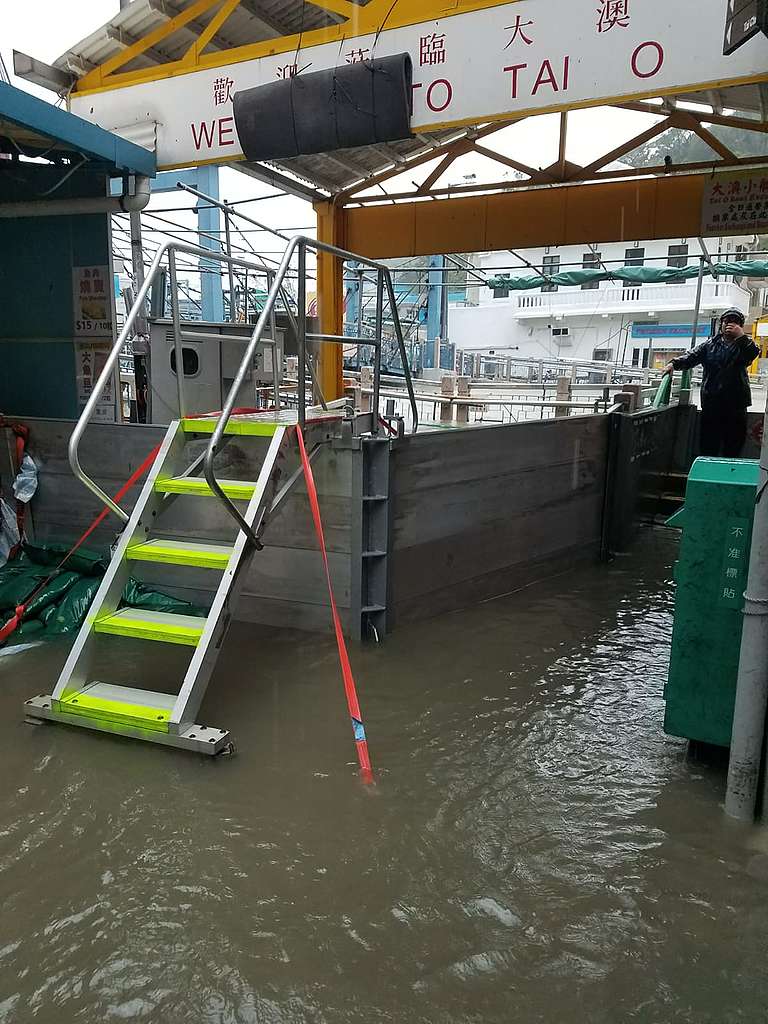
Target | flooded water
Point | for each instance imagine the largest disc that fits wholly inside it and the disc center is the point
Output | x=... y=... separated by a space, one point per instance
x=536 y=850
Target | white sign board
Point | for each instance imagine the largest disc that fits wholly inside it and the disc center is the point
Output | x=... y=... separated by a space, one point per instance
x=92 y=302
x=90 y=359
x=735 y=204
x=526 y=56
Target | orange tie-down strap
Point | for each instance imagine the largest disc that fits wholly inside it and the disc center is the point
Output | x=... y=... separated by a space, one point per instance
x=361 y=743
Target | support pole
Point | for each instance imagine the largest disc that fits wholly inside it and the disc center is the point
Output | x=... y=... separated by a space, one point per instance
x=747 y=736
x=697 y=307
x=209 y=221
x=434 y=311
x=141 y=335
x=331 y=222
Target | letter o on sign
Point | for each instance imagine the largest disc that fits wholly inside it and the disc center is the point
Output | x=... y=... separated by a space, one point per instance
x=446 y=85
x=658 y=50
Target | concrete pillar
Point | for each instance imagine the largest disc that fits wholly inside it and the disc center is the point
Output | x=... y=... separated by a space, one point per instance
x=564 y=394
x=366 y=384
x=463 y=390
x=447 y=390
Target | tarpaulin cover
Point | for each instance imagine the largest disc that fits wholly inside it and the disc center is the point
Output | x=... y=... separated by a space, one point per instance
x=631 y=275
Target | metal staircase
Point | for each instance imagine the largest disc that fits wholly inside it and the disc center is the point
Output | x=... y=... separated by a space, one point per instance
x=81 y=696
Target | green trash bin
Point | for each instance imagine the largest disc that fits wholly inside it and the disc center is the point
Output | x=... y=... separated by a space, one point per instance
x=711 y=577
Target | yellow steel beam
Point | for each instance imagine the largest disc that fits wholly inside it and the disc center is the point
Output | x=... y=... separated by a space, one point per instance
x=95 y=78
x=343 y=7
x=211 y=29
x=362 y=20
x=664 y=207
x=331 y=228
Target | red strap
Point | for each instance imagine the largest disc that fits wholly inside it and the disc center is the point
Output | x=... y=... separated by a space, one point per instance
x=366 y=773
x=13 y=623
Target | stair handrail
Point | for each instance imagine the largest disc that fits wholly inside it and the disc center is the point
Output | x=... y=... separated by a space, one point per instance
x=303 y=243
x=169 y=249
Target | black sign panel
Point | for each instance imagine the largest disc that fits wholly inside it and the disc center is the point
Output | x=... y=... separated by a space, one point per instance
x=744 y=19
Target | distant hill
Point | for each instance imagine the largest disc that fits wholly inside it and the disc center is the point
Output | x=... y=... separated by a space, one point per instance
x=684 y=147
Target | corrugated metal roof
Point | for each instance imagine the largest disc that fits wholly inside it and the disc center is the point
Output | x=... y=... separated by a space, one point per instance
x=258 y=20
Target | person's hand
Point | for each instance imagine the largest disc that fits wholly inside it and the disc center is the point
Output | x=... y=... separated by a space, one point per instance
x=669 y=369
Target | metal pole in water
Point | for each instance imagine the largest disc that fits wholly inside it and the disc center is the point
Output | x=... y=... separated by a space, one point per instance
x=752 y=685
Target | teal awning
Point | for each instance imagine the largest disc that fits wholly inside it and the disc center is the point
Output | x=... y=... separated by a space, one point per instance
x=31 y=126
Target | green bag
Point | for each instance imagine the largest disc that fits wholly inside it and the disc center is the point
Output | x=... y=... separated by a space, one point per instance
x=72 y=609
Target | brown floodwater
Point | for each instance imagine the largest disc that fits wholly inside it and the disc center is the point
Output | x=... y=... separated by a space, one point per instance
x=535 y=850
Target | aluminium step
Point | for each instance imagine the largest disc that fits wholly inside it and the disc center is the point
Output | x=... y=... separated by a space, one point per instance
x=148 y=625
x=242 y=426
x=145 y=708
x=125 y=711
x=182 y=552
x=237 y=490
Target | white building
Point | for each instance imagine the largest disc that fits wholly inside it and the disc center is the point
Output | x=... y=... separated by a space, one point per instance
x=630 y=324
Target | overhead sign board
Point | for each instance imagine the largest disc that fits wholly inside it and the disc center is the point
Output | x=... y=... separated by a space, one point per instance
x=735 y=203
x=744 y=20
x=495 y=63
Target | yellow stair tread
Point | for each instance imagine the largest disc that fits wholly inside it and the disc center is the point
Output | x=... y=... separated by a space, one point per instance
x=144 y=709
x=242 y=425
x=238 y=490
x=201 y=554
x=149 y=625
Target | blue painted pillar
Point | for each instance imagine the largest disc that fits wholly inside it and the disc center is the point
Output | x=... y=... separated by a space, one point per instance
x=353 y=298
x=435 y=318
x=209 y=219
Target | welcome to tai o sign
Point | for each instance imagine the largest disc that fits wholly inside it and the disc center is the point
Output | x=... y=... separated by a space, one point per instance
x=502 y=61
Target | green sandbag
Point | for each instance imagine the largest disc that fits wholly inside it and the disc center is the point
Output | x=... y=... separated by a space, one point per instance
x=72 y=609
x=28 y=628
x=17 y=583
x=138 y=595
x=52 y=592
x=85 y=561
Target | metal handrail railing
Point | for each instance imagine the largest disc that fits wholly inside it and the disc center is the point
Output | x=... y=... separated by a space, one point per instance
x=169 y=249
x=299 y=245
x=663 y=396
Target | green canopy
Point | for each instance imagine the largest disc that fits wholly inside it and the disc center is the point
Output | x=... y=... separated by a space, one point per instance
x=630 y=275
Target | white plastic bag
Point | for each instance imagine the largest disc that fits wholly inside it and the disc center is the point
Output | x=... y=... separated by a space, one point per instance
x=25 y=484
x=9 y=531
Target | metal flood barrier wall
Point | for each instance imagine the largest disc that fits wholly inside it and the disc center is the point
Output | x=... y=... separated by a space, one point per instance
x=472 y=514
x=478 y=513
